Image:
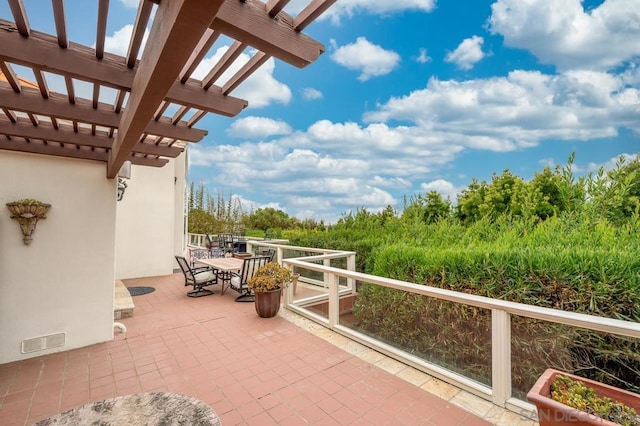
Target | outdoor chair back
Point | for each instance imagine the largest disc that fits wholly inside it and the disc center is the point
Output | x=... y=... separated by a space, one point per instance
x=225 y=242
x=239 y=282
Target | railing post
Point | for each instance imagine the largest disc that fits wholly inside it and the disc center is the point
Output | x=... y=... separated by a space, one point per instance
x=279 y=255
x=288 y=292
x=334 y=301
x=500 y=356
x=351 y=266
x=326 y=262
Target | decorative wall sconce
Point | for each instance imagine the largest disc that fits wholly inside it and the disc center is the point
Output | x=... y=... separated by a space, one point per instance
x=123 y=173
x=122 y=185
x=28 y=211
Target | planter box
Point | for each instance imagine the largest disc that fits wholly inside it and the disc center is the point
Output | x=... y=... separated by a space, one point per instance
x=242 y=255
x=552 y=412
x=346 y=305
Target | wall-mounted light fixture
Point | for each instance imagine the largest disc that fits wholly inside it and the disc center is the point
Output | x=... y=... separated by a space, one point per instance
x=122 y=185
x=124 y=173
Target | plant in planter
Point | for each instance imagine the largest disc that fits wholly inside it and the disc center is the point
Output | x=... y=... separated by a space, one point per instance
x=567 y=399
x=28 y=211
x=267 y=284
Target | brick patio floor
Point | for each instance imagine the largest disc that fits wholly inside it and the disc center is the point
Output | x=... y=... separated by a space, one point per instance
x=252 y=371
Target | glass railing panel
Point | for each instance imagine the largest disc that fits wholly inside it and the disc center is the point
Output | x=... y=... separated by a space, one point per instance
x=537 y=345
x=453 y=336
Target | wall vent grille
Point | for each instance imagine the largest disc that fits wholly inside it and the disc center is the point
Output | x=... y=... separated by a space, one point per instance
x=44 y=342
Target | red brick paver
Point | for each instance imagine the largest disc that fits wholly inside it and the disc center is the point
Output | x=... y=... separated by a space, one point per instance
x=252 y=371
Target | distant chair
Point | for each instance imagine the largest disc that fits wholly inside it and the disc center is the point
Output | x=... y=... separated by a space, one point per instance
x=271 y=253
x=225 y=242
x=239 y=282
x=215 y=250
x=194 y=254
x=199 y=278
x=266 y=251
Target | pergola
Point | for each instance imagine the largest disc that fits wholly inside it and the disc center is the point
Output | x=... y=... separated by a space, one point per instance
x=136 y=127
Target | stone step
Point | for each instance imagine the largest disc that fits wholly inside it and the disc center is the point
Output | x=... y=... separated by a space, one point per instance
x=123 y=302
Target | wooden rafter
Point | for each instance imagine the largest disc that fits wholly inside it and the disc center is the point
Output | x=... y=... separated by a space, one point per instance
x=310 y=13
x=79 y=62
x=61 y=26
x=198 y=54
x=101 y=32
x=176 y=31
x=275 y=6
x=249 y=68
x=82 y=137
x=144 y=12
x=20 y=17
x=11 y=77
x=83 y=111
x=223 y=64
x=249 y=22
x=34 y=118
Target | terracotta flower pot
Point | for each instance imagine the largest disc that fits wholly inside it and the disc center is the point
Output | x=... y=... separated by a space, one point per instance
x=551 y=412
x=268 y=303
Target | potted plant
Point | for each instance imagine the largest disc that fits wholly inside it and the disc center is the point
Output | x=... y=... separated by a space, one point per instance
x=566 y=399
x=267 y=284
x=28 y=211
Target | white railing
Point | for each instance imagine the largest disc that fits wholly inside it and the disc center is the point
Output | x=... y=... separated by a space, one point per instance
x=501 y=311
x=500 y=392
x=198 y=240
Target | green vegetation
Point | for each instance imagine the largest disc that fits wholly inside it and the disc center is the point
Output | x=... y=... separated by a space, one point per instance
x=555 y=241
x=212 y=215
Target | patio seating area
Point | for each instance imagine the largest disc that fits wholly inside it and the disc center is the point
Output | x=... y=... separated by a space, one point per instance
x=286 y=370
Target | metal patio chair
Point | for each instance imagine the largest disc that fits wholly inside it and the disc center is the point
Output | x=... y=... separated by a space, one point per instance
x=239 y=281
x=199 y=278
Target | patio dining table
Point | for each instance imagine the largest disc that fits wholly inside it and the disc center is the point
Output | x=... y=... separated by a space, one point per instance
x=226 y=266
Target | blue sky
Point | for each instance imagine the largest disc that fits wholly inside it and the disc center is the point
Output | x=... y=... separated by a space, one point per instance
x=415 y=95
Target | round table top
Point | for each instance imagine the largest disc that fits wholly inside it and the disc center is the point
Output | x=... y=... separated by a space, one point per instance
x=153 y=408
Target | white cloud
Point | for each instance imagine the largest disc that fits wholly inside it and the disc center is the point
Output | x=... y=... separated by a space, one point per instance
x=258 y=127
x=310 y=93
x=260 y=89
x=370 y=59
x=423 y=57
x=468 y=52
x=562 y=33
x=118 y=43
x=443 y=187
x=520 y=110
x=610 y=164
x=347 y=8
x=390 y=182
x=130 y=3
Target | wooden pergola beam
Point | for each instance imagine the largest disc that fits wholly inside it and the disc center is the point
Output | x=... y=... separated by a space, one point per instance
x=41 y=51
x=57 y=105
x=83 y=137
x=35 y=147
x=249 y=22
x=177 y=28
x=49 y=149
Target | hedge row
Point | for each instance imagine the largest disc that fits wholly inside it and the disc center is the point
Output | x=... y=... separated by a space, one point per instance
x=592 y=281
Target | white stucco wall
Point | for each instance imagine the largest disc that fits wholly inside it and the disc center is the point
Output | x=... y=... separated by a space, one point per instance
x=180 y=189
x=63 y=281
x=146 y=223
